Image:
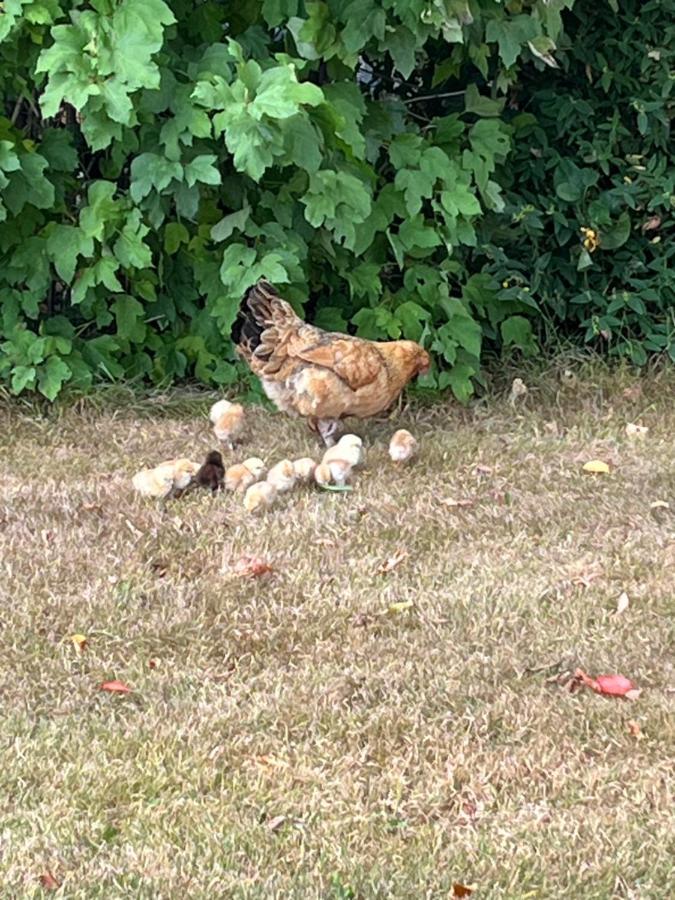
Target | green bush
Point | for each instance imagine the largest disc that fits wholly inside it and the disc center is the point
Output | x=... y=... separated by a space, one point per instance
x=416 y=168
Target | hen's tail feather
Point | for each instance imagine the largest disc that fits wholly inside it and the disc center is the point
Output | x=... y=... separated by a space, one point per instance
x=261 y=309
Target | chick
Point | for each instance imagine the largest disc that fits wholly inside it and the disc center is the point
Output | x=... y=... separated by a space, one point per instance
x=153 y=482
x=348 y=448
x=228 y=422
x=282 y=476
x=211 y=475
x=243 y=475
x=259 y=497
x=402 y=446
x=304 y=469
x=335 y=471
x=165 y=480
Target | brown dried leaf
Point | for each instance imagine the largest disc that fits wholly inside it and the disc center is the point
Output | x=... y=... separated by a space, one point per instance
x=651 y=224
x=462 y=890
x=635 y=730
x=393 y=562
x=276 y=823
x=48 y=882
x=251 y=567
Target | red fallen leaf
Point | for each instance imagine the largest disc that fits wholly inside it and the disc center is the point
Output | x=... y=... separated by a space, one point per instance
x=116 y=687
x=48 y=882
x=612 y=685
x=152 y=663
x=251 y=567
x=461 y=890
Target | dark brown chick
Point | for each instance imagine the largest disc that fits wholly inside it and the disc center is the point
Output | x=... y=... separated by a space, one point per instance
x=212 y=474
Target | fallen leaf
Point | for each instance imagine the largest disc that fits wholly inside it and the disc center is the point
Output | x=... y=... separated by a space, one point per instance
x=393 y=562
x=632 y=393
x=596 y=467
x=400 y=607
x=48 y=882
x=462 y=890
x=481 y=469
x=635 y=730
x=152 y=663
x=251 y=567
x=457 y=503
x=612 y=685
x=634 y=430
x=652 y=223
x=276 y=823
x=659 y=504
x=79 y=640
x=622 y=604
x=116 y=687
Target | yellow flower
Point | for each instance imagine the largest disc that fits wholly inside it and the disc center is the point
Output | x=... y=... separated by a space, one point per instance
x=591 y=239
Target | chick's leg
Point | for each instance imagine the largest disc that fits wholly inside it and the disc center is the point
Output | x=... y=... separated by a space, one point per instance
x=328 y=428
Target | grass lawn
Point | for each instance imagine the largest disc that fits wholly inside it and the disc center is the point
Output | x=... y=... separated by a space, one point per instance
x=331 y=730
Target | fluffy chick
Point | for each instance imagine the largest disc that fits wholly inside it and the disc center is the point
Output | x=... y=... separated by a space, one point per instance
x=212 y=473
x=335 y=471
x=165 y=480
x=304 y=469
x=402 y=446
x=259 y=497
x=348 y=448
x=228 y=422
x=282 y=476
x=241 y=476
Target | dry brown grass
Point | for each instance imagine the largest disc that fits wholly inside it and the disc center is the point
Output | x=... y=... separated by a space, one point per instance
x=405 y=750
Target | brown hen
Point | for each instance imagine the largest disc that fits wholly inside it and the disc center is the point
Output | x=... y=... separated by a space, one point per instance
x=320 y=375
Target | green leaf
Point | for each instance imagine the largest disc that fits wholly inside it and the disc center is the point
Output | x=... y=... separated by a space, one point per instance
x=203 y=169
x=459 y=379
x=51 y=377
x=129 y=247
x=616 y=236
x=22 y=377
x=401 y=45
x=129 y=318
x=511 y=34
x=148 y=171
x=175 y=234
x=64 y=244
x=101 y=209
x=222 y=230
x=416 y=186
x=517 y=331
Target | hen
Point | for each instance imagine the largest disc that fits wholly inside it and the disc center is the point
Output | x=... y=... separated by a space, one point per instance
x=321 y=375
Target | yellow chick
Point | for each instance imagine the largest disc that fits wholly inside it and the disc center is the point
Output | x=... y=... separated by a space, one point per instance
x=348 y=448
x=304 y=469
x=166 y=479
x=322 y=474
x=259 y=497
x=228 y=421
x=241 y=476
x=335 y=471
x=402 y=446
x=282 y=476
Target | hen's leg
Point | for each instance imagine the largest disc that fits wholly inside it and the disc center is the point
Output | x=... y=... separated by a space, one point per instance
x=328 y=428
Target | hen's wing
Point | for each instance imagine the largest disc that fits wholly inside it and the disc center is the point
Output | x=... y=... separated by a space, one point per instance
x=275 y=341
x=355 y=362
